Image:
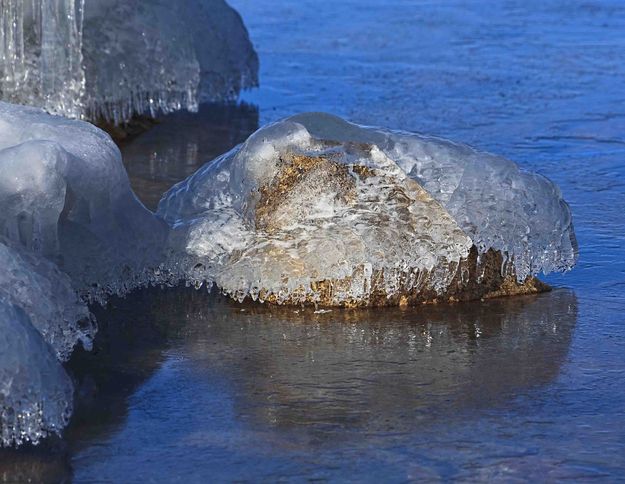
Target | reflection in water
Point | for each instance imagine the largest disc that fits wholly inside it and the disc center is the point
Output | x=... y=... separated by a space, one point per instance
x=197 y=388
x=45 y=463
x=182 y=142
x=379 y=369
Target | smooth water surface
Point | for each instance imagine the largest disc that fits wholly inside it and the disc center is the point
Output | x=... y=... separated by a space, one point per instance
x=187 y=387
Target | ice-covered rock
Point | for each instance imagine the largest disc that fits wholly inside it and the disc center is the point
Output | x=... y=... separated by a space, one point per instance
x=111 y=59
x=315 y=209
x=35 y=391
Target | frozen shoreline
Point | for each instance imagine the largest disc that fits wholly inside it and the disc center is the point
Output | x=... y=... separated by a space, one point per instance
x=73 y=227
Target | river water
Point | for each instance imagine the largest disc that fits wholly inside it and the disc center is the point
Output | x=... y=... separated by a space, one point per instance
x=187 y=387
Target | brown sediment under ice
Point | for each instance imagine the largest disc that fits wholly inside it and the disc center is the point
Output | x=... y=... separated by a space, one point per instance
x=125 y=132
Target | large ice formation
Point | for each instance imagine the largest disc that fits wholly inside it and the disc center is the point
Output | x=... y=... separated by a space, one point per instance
x=71 y=230
x=110 y=59
x=315 y=209
x=311 y=209
x=65 y=195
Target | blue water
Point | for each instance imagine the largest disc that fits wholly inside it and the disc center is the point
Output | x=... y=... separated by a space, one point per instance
x=187 y=387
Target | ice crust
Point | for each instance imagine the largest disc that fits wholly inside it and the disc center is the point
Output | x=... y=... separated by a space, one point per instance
x=410 y=208
x=499 y=205
x=111 y=59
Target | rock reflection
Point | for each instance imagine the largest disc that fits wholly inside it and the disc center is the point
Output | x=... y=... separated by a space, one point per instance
x=381 y=369
x=42 y=464
x=378 y=369
x=180 y=143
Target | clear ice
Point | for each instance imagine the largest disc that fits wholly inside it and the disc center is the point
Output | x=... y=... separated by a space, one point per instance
x=111 y=59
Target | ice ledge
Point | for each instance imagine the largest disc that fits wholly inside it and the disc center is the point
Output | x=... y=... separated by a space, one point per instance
x=109 y=60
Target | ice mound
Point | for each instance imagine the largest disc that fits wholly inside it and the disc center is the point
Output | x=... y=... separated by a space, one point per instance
x=65 y=196
x=314 y=209
x=111 y=59
x=35 y=392
x=71 y=231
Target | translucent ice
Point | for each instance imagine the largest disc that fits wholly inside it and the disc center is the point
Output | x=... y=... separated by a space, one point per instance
x=65 y=195
x=35 y=392
x=499 y=205
x=47 y=297
x=315 y=209
x=113 y=58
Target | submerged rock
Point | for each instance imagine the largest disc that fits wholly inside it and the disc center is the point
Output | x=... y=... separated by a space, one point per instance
x=316 y=210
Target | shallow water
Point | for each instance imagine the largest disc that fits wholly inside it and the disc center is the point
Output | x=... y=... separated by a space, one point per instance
x=188 y=387
x=248 y=392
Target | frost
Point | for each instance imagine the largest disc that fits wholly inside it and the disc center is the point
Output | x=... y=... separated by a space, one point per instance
x=315 y=209
x=110 y=59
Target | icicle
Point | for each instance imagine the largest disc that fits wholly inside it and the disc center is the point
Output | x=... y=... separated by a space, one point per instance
x=41 y=51
x=112 y=59
x=62 y=76
x=12 y=45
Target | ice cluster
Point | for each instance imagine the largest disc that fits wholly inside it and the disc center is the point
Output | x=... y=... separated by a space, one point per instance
x=316 y=209
x=71 y=231
x=111 y=59
x=311 y=209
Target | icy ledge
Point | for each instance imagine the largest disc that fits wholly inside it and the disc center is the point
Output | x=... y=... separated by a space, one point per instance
x=314 y=209
x=110 y=59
